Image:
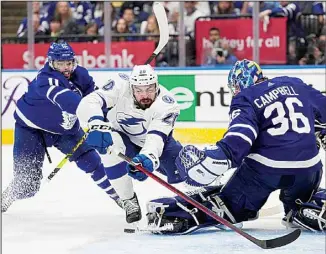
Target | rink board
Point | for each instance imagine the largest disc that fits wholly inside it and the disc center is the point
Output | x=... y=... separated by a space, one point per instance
x=201 y=93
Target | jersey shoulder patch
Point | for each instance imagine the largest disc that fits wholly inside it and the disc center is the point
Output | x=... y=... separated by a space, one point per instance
x=109 y=85
x=168 y=99
x=123 y=76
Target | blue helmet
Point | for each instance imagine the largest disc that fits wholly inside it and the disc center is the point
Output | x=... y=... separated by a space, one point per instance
x=244 y=74
x=61 y=51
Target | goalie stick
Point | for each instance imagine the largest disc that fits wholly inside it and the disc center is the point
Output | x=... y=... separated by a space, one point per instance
x=265 y=244
x=162 y=21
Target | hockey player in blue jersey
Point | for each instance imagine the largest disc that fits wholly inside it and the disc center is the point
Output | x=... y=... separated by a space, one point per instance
x=271 y=141
x=46 y=116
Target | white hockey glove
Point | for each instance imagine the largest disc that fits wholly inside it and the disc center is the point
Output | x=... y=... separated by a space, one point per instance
x=202 y=167
x=320 y=134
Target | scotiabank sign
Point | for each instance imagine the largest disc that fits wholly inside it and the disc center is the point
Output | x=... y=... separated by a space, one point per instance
x=238 y=34
x=89 y=55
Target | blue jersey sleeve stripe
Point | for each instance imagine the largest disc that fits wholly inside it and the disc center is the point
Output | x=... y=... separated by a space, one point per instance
x=238 y=134
x=245 y=126
x=104 y=106
x=159 y=133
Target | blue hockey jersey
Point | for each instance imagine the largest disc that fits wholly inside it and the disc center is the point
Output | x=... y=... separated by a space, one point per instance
x=51 y=100
x=272 y=126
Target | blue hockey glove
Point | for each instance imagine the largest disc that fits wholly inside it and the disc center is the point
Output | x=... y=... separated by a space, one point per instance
x=201 y=167
x=100 y=134
x=149 y=162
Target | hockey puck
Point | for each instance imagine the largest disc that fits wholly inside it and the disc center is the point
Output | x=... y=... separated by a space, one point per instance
x=129 y=230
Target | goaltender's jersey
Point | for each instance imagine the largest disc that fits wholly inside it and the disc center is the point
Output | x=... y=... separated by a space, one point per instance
x=51 y=100
x=141 y=126
x=272 y=126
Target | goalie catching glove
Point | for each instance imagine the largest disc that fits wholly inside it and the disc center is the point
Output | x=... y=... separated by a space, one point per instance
x=100 y=137
x=202 y=167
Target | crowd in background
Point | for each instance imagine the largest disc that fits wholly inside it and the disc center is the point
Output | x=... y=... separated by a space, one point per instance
x=306 y=29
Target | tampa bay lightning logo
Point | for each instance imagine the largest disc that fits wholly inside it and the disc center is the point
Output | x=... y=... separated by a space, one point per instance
x=131 y=125
x=123 y=76
x=109 y=85
x=168 y=99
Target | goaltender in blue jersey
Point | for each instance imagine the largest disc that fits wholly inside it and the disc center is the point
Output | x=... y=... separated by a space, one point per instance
x=46 y=116
x=271 y=140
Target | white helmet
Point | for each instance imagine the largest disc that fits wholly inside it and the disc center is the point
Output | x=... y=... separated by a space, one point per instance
x=143 y=75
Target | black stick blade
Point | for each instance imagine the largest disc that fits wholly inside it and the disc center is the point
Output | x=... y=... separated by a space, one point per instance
x=280 y=241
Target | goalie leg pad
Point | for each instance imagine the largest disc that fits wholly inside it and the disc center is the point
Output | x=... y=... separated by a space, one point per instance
x=174 y=215
x=310 y=215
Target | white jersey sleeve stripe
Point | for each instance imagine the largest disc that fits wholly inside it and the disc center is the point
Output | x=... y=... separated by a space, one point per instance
x=245 y=126
x=61 y=92
x=49 y=91
x=244 y=137
x=284 y=164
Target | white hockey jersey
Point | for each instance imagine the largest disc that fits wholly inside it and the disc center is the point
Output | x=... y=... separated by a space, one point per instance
x=145 y=128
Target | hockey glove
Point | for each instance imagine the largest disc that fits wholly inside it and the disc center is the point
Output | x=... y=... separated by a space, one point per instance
x=100 y=134
x=201 y=167
x=149 y=162
x=321 y=135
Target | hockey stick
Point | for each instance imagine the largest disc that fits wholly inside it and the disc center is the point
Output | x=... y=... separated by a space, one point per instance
x=162 y=21
x=265 y=244
x=66 y=158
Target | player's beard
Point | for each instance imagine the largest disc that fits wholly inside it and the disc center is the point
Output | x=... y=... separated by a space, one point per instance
x=145 y=103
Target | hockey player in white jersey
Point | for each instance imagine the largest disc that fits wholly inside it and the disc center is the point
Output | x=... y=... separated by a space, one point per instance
x=136 y=117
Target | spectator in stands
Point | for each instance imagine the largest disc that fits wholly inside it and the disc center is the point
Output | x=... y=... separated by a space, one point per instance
x=191 y=14
x=82 y=12
x=150 y=27
x=37 y=19
x=315 y=55
x=129 y=17
x=315 y=8
x=203 y=7
x=241 y=7
x=322 y=39
x=210 y=46
x=55 y=28
x=91 y=30
x=172 y=11
x=140 y=9
x=224 y=7
x=36 y=23
x=220 y=53
x=99 y=20
x=121 y=28
x=69 y=25
x=295 y=35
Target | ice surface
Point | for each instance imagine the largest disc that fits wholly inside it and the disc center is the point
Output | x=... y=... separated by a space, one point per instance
x=72 y=215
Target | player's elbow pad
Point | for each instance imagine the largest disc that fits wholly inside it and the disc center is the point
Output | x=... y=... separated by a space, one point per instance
x=88 y=107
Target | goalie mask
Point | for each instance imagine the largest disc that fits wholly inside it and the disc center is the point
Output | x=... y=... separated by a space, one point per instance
x=61 y=58
x=144 y=85
x=244 y=74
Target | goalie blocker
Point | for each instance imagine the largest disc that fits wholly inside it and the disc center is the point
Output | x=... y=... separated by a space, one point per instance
x=173 y=215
